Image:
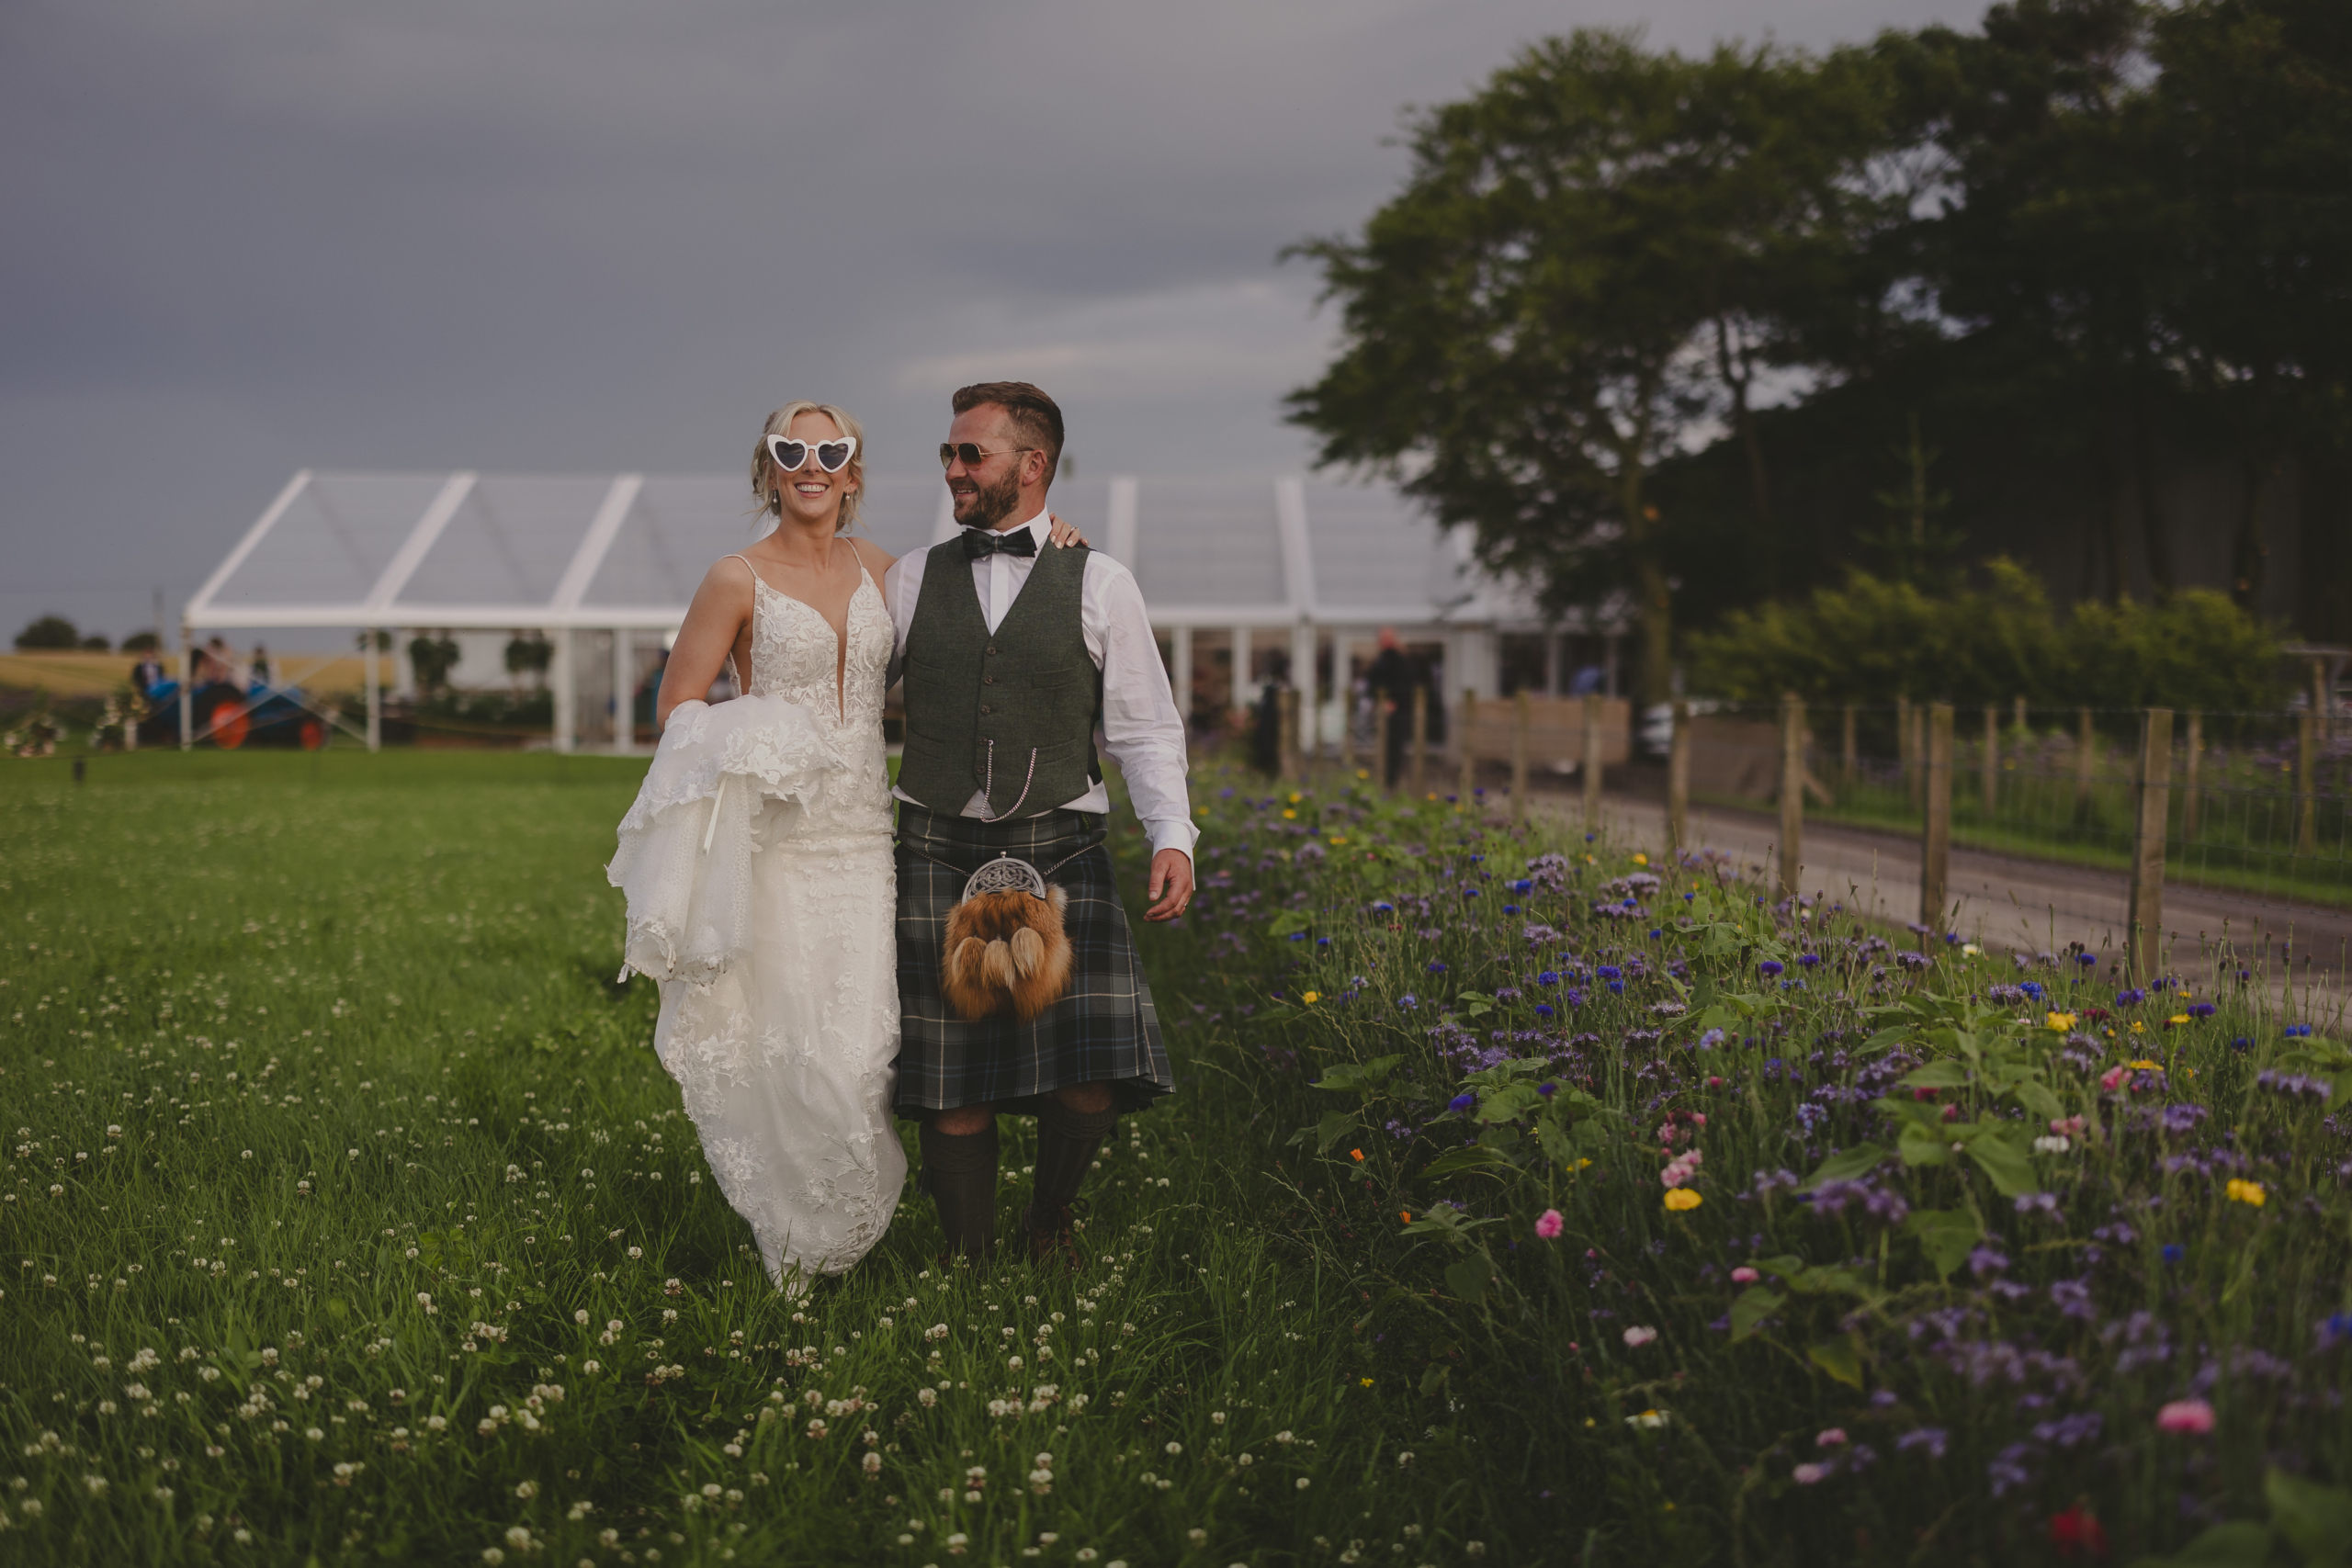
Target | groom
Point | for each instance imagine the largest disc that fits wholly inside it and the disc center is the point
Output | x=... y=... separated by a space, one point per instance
x=1016 y=654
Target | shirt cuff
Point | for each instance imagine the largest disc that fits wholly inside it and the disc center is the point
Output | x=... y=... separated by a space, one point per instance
x=1172 y=833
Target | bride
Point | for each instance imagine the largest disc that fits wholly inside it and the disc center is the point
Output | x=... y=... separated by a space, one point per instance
x=757 y=863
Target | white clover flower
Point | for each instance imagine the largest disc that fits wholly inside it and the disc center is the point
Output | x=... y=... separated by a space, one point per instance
x=526 y=1490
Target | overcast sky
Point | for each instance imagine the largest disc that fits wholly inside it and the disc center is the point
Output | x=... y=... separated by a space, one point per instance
x=247 y=236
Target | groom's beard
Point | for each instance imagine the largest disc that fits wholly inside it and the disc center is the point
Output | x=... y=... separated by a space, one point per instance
x=990 y=506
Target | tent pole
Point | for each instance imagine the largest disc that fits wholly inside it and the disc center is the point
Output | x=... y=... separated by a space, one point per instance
x=624 y=696
x=1179 y=672
x=565 y=697
x=369 y=637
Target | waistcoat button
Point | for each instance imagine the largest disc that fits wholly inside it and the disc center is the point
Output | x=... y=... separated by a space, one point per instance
x=985 y=708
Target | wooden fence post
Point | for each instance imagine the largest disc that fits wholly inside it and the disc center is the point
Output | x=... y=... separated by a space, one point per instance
x=1420 y=741
x=2086 y=761
x=1346 y=696
x=2323 y=707
x=1935 y=837
x=1380 y=720
x=2017 y=716
x=1852 y=760
x=1590 y=762
x=2194 y=746
x=1678 y=781
x=1992 y=784
x=2144 y=922
x=1905 y=764
x=1518 y=722
x=1792 y=793
x=2307 y=780
x=1467 y=792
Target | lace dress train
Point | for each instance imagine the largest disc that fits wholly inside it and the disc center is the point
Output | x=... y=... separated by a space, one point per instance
x=757 y=864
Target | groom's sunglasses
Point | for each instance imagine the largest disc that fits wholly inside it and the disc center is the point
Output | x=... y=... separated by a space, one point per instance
x=832 y=456
x=968 y=453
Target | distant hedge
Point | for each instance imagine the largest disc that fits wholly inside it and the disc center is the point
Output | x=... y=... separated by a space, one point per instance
x=1869 y=641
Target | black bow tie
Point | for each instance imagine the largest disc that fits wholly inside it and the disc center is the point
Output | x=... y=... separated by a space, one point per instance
x=979 y=543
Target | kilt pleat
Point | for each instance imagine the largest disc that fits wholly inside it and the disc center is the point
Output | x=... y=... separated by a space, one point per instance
x=1103 y=1031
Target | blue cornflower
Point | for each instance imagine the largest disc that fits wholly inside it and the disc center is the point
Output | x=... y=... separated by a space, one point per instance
x=1590 y=837
x=2173 y=1252
x=1462 y=1102
x=1708 y=1041
x=1608 y=972
x=1511 y=909
x=1322 y=942
x=1470 y=893
x=1436 y=967
x=2335 y=1330
x=1549 y=977
x=2031 y=988
x=1522 y=885
x=2201 y=1009
x=1383 y=907
x=2299 y=1031
x=1408 y=1000
x=1616 y=987
x=1656 y=934
x=1548 y=1090
x=2087 y=959
x=1298 y=936
x=1768 y=968
x=1808 y=959
x=1477 y=859
x=1544 y=1009
x=2131 y=998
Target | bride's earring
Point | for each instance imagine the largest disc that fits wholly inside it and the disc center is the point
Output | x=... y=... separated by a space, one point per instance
x=776 y=502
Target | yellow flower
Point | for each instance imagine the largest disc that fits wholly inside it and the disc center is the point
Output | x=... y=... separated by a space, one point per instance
x=2059 y=1022
x=1311 y=997
x=2138 y=1028
x=1199 y=811
x=1365 y=1382
x=1340 y=839
x=1590 y=860
x=1641 y=860
x=2144 y=1065
x=2178 y=1017
x=2247 y=1192
x=1431 y=796
x=1364 y=772
x=1296 y=797
x=1288 y=813
x=1582 y=1164
x=1681 y=1198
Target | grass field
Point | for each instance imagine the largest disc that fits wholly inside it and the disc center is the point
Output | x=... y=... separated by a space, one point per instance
x=294 y=1044
x=1520 y=1204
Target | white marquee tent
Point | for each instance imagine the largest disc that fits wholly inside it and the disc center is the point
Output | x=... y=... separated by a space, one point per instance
x=606 y=564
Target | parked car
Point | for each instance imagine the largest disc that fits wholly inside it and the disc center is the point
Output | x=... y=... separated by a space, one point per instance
x=1657 y=724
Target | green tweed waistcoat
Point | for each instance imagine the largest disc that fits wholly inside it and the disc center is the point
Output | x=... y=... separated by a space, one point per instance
x=1012 y=712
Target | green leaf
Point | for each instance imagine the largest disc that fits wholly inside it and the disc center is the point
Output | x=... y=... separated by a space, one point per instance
x=1467 y=1279
x=1475 y=1158
x=1753 y=1306
x=1918 y=1145
x=1288 y=924
x=2035 y=1096
x=1332 y=1129
x=1857 y=1161
x=2317 y=1520
x=1936 y=1075
x=1554 y=1140
x=1702 y=995
x=1433 y=1380
x=1474 y=1005
x=1360 y=1076
x=1450 y=1221
x=1840 y=1358
x=2006 y=1160
x=2238 y=1544
x=1946 y=1235
x=1885 y=1039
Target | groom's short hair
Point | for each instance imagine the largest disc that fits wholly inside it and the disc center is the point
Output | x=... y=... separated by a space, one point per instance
x=1036 y=418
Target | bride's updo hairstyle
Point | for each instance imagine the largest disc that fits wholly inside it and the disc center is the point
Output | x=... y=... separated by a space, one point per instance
x=765 y=476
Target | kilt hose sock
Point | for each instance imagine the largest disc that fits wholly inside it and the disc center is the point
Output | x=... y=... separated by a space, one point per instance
x=959 y=1171
x=1067 y=1143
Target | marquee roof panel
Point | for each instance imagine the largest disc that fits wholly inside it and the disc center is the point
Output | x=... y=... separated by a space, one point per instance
x=627 y=550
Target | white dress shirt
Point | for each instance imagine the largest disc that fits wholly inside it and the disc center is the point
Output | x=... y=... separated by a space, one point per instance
x=1141 y=730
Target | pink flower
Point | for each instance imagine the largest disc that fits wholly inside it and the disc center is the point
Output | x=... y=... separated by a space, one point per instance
x=1831 y=1437
x=2068 y=1126
x=1744 y=1275
x=1638 y=1338
x=1699 y=1118
x=2113 y=1075
x=1806 y=1474
x=2186 y=1415
x=1549 y=1223
x=1674 y=1175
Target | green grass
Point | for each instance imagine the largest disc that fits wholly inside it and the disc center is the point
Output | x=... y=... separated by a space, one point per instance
x=1415 y=1257
x=289 y=1044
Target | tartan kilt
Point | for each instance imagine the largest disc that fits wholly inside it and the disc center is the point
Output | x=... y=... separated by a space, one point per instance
x=1102 y=1031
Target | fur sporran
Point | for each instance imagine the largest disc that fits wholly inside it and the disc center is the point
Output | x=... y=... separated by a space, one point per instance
x=1007 y=955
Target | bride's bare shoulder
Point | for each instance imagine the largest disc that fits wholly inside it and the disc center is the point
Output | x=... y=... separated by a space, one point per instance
x=875 y=559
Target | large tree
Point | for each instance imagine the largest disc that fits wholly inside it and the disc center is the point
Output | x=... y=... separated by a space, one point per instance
x=1602 y=249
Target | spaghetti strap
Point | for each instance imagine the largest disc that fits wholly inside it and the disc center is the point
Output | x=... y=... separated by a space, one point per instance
x=748 y=567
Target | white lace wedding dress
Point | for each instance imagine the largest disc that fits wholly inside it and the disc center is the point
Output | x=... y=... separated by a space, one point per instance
x=757 y=864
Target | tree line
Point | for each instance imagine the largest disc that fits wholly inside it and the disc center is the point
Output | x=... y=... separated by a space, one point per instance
x=1698 y=334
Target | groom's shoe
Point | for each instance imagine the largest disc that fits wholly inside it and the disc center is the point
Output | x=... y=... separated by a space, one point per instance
x=1053 y=1234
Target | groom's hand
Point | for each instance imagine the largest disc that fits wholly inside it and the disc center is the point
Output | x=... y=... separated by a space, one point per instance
x=1170 y=889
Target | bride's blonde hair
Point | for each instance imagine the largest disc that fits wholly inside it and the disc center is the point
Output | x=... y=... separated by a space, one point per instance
x=766 y=478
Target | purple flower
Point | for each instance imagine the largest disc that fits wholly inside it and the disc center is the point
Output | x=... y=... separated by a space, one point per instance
x=1608 y=972
x=1547 y=1089
x=2294 y=1085
x=1544 y=1009
x=2087 y=959
x=1932 y=1439
x=1808 y=959
x=2007 y=1470
x=1462 y=1102
x=2335 y=1331
x=1436 y=967
x=1408 y=1000
x=2131 y=998
x=1708 y=1041
x=1985 y=1259
x=2068 y=1431
x=1768 y=968
x=2201 y=1010
x=2032 y=1203
x=2073 y=1299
